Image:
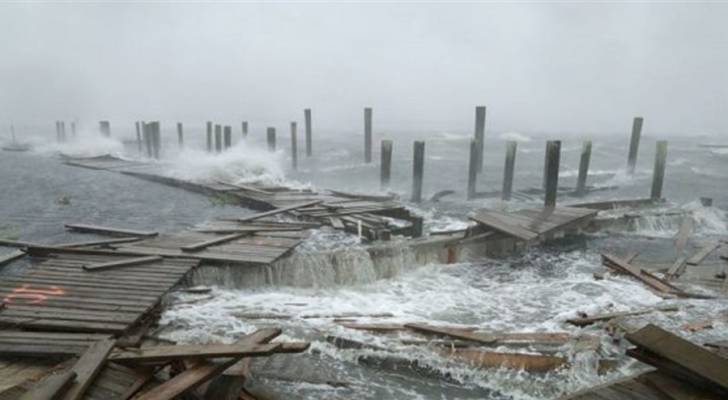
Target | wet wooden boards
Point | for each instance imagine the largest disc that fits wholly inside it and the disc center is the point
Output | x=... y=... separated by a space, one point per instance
x=532 y=224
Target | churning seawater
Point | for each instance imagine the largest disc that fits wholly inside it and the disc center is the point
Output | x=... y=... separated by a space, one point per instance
x=332 y=274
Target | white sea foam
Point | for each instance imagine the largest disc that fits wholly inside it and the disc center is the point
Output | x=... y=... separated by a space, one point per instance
x=87 y=143
x=518 y=137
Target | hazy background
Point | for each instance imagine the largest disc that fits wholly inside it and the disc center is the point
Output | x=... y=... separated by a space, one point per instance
x=538 y=67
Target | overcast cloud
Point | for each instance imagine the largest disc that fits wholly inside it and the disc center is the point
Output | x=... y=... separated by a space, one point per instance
x=538 y=67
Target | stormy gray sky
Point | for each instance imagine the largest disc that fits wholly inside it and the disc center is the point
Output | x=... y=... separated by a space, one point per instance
x=538 y=67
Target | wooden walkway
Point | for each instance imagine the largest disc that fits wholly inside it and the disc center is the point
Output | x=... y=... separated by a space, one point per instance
x=58 y=294
x=337 y=209
x=534 y=224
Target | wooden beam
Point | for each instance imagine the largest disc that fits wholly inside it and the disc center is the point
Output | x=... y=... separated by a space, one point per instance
x=12 y=256
x=588 y=320
x=104 y=230
x=704 y=252
x=503 y=223
x=490 y=359
x=121 y=263
x=51 y=387
x=646 y=278
x=88 y=366
x=212 y=242
x=177 y=352
x=457 y=333
x=279 y=211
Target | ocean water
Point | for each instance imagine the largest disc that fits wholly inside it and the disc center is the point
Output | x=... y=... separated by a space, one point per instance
x=333 y=274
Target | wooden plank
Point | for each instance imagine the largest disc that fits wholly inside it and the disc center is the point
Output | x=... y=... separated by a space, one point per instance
x=121 y=263
x=502 y=223
x=88 y=366
x=675 y=389
x=177 y=352
x=249 y=188
x=51 y=387
x=12 y=256
x=681 y=239
x=704 y=252
x=676 y=269
x=646 y=278
x=457 y=333
x=212 y=242
x=490 y=359
x=690 y=358
x=105 y=230
x=104 y=242
x=584 y=321
x=279 y=211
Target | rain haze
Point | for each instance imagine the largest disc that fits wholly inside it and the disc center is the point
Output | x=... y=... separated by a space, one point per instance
x=554 y=67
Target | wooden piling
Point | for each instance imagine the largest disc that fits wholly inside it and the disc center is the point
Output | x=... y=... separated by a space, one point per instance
x=553 y=158
x=139 y=136
x=218 y=138
x=659 y=172
x=209 y=136
x=63 y=131
x=480 y=134
x=73 y=129
x=271 y=136
x=509 y=169
x=228 y=135
x=418 y=171
x=156 y=139
x=294 y=146
x=180 y=135
x=309 y=138
x=472 y=169
x=245 y=129
x=146 y=132
x=367 y=135
x=105 y=128
x=586 y=148
x=385 y=174
x=58 y=131
x=634 y=144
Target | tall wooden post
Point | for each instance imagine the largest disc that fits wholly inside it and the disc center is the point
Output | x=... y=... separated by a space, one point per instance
x=586 y=148
x=209 y=136
x=228 y=135
x=155 y=138
x=658 y=175
x=480 y=134
x=180 y=135
x=368 y=135
x=294 y=146
x=218 y=138
x=553 y=158
x=309 y=138
x=418 y=171
x=105 y=128
x=63 y=131
x=245 y=129
x=73 y=129
x=385 y=173
x=139 y=136
x=634 y=144
x=271 y=136
x=148 y=139
x=472 y=169
x=509 y=169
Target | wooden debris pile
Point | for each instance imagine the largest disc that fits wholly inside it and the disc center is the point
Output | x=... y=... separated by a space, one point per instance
x=535 y=224
x=95 y=367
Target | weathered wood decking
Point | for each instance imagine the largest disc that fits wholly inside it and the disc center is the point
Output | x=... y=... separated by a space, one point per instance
x=533 y=224
x=58 y=294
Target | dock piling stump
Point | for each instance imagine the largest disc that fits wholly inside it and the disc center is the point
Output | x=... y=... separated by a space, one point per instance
x=368 y=135
x=105 y=128
x=659 y=172
x=245 y=129
x=509 y=169
x=218 y=138
x=209 y=136
x=418 y=171
x=586 y=149
x=271 y=136
x=309 y=138
x=553 y=158
x=472 y=169
x=634 y=144
x=294 y=146
x=480 y=134
x=385 y=174
x=228 y=136
x=139 y=136
x=180 y=135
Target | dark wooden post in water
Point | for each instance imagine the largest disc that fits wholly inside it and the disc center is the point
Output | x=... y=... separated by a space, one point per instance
x=385 y=174
x=180 y=135
x=553 y=157
x=472 y=169
x=139 y=136
x=418 y=171
x=309 y=139
x=480 y=134
x=73 y=129
x=294 y=146
x=58 y=131
x=509 y=169
x=209 y=136
x=634 y=144
x=245 y=129
x=63 y=131
x=218 y=138
x=155 y=138
x=583 y=168
x=148 y=142
x=271 y=136
x=105 y=128
x=228 y=135
x=659 y=173
x=367 y=135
